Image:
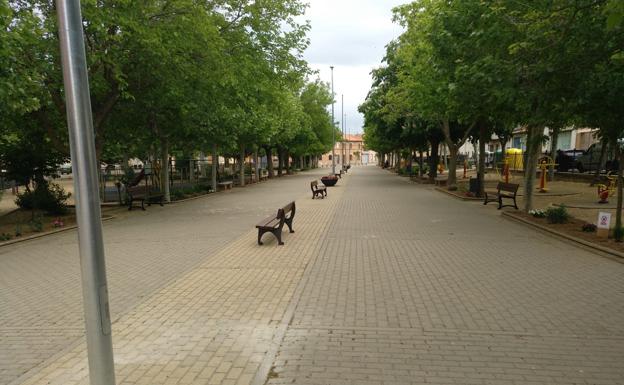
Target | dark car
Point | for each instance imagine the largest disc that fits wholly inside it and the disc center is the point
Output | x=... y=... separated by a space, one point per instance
x=567 y=160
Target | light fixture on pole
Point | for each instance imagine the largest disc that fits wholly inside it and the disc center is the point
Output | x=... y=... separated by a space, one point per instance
x=333 y=125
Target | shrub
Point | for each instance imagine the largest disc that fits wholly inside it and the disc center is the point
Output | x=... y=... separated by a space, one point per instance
x=177 y=194
x=557 y=215
x=618 y=233
x=589 y=228
x=50 y=198
x=5 y=237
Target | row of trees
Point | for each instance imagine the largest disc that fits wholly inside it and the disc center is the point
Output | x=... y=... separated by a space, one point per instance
x=174 y=77
x=463 y=70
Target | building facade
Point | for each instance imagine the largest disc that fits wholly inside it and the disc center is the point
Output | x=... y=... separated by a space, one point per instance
x=350 y=151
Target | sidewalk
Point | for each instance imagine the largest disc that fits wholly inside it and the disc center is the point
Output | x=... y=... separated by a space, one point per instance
x=383 y=282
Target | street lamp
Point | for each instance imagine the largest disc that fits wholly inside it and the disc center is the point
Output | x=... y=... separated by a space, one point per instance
x=333 y=126
x=344 y=153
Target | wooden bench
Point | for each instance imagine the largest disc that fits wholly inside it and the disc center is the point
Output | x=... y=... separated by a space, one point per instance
x=503 y=190
x=274 y=224
x=143 y=194
x=318 y=190
x=226 y=185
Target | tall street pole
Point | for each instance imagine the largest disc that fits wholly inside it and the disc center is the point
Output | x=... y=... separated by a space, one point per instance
x=333 y=125
x=88 y=215
x=349 y=143
x=344 y=153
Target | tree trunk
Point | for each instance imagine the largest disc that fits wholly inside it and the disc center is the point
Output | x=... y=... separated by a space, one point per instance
x=287 y=163
x=164 y=169
x=269 y=156
x=191 y=170
x=280 y=161
x=603 y=154
x=452 y=168
x=481 y=166
x=242 y=165
x=504 y=142
x=420 y=166
x=618 y=211
x=215 y=167
x=256 y=166
x=433 y=161
x=534 y=134
x=553 y=150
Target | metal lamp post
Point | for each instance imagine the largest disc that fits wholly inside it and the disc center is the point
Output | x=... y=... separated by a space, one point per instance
x=344 y=153
x=333 y=126
x=88 y=214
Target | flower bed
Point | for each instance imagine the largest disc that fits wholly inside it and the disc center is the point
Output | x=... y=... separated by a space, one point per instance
x=574 y=227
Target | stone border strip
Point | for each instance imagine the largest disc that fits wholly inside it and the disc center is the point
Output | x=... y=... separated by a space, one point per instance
x=52 y=232
x=603 y=251
x=467 y=199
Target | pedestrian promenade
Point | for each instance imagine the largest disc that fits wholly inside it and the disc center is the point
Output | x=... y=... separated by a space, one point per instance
x=383 y=282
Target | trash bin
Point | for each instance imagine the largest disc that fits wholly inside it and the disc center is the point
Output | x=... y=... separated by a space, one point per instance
x=474 y=185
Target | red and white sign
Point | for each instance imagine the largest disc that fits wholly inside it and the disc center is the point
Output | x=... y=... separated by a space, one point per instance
x=604 y=220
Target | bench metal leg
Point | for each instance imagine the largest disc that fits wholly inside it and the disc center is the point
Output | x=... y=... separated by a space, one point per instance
x=289 y=224
x=278 y=235
x=260 y=232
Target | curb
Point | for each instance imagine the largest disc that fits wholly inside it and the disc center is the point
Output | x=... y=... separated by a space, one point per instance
x=40 y=235
x=467 y=199
x=611 y=254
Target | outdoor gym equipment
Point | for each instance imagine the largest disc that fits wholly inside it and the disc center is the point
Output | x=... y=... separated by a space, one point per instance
x=504 y=176
x=543 y=164
x=605 y=191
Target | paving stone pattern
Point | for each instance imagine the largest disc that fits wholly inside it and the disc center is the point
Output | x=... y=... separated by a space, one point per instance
x=40 y=288
x=415 y=287
x=384 y=282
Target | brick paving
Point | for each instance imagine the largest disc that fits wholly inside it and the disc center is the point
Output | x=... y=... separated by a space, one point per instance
x=40 y=292
x=384 y=282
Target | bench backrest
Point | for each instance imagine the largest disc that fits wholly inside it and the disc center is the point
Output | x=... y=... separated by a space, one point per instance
x=136 y=189
x=137 y=179
x=509 y=187
x=289 y=208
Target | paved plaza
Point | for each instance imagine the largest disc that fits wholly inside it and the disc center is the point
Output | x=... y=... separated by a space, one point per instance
x=383 y=282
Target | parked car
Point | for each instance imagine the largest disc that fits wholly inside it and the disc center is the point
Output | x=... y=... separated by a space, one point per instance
x=566 y=160
x=588 y=160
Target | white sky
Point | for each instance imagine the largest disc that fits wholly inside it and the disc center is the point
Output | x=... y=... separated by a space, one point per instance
x=351 y=35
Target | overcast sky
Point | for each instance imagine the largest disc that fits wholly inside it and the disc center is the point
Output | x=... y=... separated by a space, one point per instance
x=351 y=35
